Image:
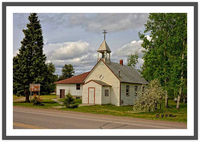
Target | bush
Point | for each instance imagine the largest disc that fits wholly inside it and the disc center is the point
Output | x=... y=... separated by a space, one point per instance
x=73 y=106
x=36 y=101
x=69 y=101
x=148 y=100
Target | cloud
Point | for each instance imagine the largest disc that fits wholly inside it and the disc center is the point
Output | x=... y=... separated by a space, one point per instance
x=127 y=49
x=81 y=64
x=113 y=22
x=130 y=48
x=68 y=50
x=76 y=53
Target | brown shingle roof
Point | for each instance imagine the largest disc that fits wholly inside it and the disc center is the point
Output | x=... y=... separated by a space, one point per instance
x=74 y=79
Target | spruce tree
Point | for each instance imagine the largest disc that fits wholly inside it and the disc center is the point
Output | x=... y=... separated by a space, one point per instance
x=29 y=65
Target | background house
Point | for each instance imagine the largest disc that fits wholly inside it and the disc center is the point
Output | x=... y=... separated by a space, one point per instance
x=72 y=84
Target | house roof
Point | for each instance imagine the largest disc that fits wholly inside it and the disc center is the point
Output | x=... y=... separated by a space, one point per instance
x=104 y=47
x=78 y=79
x=128 y=74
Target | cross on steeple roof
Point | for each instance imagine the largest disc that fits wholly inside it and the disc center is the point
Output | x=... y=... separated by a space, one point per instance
x=104 y=32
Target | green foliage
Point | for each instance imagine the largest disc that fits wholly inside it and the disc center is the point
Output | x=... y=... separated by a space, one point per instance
x=36 y=101
x=165 y=57
x=51 y=78
x=69 y=101
x=132 y=59
x=29 y=65
x=67 y=71
x=151 y=96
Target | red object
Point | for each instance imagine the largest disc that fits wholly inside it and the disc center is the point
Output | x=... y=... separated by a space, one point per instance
x=121 y=62
x=34 y=87
x=78 y=79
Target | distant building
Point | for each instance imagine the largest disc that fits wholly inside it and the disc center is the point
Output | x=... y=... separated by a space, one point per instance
x=73 y=84
x=107 y=82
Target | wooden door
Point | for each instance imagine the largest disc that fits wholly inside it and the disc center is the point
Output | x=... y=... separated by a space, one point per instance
x=62 y=93
x=91 y=95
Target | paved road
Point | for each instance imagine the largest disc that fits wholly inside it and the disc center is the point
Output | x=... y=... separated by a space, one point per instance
x=32 y=118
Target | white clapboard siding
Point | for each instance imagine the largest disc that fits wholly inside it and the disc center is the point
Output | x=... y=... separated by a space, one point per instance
x=109 y=78
x=67 y=87
x=129 y=100
x=97 y=92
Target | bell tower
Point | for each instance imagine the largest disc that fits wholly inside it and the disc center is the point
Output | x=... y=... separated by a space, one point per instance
x=104 y=50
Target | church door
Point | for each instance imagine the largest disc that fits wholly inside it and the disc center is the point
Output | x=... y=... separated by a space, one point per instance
x=91 y=95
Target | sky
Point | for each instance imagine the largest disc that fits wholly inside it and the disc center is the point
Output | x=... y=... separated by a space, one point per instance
x=73 y=38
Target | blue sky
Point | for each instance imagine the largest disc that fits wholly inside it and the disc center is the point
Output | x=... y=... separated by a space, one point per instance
x=73 y=38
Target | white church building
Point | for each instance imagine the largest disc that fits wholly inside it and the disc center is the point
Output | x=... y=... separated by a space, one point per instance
x=107 y=82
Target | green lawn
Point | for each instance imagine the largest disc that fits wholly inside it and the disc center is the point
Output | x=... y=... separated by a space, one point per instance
x=181 y=114
x=48 y=96
x=48 y=103
x=76 y=101
x=42 y=97
x=16 y=97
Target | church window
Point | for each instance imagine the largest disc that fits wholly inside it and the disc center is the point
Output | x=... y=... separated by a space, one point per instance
x=127 y=91
x=106 y=93
x=136 y=87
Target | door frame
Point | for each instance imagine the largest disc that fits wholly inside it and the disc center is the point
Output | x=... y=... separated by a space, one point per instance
x=88 y=93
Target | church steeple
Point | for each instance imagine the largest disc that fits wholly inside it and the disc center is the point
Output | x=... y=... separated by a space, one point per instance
x=104 y=50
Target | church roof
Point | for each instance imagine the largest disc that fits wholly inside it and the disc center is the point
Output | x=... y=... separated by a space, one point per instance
x=78 y=79
x=128 y=74
x=99 y=82
x=104 y=47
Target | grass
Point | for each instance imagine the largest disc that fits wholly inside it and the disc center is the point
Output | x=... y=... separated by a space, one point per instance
x=76 y=101
x=16 y=97
x=48 y=96
x=48 y=103
x=181 y=114
x=42 y=97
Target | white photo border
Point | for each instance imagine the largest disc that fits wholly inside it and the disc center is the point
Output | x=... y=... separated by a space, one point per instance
x=10 y=8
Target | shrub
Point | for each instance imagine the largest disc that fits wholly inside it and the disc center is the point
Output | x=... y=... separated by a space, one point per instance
x=36 y=101
x=69 y=101
x=148 y=100
x=73 y=106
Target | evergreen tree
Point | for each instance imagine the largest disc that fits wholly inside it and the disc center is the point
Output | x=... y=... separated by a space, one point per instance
x=51 y=78
x=29 y=65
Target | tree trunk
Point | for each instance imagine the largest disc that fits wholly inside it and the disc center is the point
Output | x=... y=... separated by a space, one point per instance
x=180 y=90
x=166 y=100
x=166 y=96
x=178 y=100
x=184 y=99
x=155 y=106
x=27 y=97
